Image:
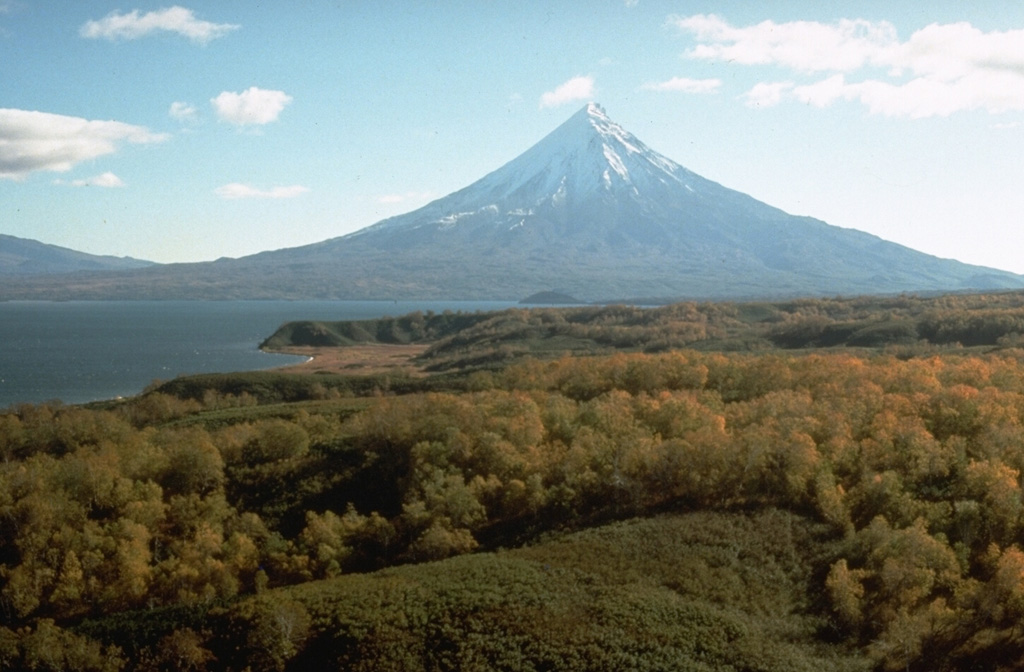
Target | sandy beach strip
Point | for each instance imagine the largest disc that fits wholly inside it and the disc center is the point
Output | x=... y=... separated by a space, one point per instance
x=353 y=359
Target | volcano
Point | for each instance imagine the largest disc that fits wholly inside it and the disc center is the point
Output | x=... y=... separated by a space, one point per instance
x=588 y=211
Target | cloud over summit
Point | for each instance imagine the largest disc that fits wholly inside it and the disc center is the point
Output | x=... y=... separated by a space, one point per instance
x=575 y=89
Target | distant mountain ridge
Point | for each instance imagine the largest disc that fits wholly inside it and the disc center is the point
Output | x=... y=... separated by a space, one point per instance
x=22 y=256
x=589 y=211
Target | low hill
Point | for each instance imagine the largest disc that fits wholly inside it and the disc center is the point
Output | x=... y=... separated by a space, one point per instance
x=901 y=324
x=413 y=328
x=24 y=257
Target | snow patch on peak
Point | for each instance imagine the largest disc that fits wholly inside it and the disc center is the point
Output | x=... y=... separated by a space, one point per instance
x=451 y=220
x=595 y=110
x=611 y=130
x=596 y=118
x=558 y=198
x=448 y=221
x=615 y=162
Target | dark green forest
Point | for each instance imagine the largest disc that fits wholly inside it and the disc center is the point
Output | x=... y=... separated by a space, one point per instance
x=829 y=484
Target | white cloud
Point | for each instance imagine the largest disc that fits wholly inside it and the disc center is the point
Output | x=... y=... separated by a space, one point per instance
x=938 y=71
x=252 y=106
x=577 y=88
x=104 y=180
x=956 y=50
x=922 y=96
x=236 y=190
x=685 y=84
x=823 y=93
x=183 y=111
x=34 y=141
x=806 y=46
x=766 y=94
x=175 y=19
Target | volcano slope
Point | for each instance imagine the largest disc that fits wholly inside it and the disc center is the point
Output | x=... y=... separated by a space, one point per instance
x=589 y=211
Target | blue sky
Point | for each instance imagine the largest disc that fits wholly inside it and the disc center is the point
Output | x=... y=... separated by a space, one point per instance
x=207 y=129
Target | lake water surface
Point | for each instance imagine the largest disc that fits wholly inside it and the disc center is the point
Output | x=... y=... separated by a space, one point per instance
x=80 y=351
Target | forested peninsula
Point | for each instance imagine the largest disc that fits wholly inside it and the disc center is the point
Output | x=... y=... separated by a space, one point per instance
x=823 y=484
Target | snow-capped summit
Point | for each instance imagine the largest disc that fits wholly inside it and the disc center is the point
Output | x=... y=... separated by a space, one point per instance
x=587 y=162
x=593 y=211
x=620 y=146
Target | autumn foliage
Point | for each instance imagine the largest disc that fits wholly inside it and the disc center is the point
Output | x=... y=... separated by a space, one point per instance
x=210 y=514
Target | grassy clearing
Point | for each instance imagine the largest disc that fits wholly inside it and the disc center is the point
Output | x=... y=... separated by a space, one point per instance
x=701 y=591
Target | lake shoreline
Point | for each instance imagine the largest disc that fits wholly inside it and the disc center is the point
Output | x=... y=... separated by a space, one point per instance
x=81 y=352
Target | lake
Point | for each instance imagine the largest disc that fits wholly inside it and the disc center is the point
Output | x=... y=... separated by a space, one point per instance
x=81 y=351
